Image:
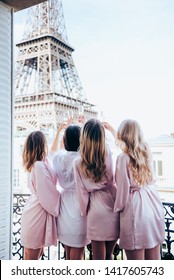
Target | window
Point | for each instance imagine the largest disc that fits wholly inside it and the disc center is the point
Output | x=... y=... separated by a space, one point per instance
x=160 y=169
x=16 y=178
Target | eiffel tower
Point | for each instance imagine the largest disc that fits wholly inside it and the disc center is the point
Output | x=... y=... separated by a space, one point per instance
x=47 y=86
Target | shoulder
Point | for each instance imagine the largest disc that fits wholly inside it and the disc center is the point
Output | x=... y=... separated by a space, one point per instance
x=38 y=164
x=76 y=161
x=108 y=150
x=123 y=156
x=45 y=170
x=58 y=155
x=38 y=168
x=122 y=159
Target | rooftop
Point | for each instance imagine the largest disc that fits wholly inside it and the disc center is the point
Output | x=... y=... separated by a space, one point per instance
x=20 y=5
x=162 y=140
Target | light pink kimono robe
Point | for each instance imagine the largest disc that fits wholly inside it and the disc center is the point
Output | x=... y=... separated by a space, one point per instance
x=97 y=202
x=141 y=211
x=38 y=222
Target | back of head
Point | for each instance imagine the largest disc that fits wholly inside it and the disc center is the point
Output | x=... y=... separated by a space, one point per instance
x=92 y=137
x=93 y=149
x=71 y=138
x=35 y=149
x=138 y=150
x=130 y=133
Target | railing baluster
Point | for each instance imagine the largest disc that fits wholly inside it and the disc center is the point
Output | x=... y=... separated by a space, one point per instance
x=169 y=229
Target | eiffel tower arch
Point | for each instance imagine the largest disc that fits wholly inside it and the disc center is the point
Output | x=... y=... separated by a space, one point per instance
x=47 y=86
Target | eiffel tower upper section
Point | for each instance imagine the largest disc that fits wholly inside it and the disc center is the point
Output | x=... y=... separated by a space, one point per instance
x=46 y=81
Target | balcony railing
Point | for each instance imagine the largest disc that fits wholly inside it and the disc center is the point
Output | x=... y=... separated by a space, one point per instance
x=167 y=248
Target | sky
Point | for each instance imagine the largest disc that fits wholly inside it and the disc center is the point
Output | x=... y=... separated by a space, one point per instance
x=124 y=56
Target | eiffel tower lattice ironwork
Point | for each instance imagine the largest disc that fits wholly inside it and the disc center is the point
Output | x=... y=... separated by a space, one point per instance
x=47 y=86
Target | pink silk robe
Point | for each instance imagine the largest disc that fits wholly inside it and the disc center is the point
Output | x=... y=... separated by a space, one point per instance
x=141 y=211
x=97 y=202
x=38 y=222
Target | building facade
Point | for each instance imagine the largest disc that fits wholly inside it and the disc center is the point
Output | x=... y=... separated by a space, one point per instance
x=163 y=155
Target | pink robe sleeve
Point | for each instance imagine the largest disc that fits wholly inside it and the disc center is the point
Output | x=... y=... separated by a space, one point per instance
x=45 y=185
x=82 y=194
x=122 y=182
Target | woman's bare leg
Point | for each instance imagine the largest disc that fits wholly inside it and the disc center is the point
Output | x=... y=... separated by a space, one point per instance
x=110 y=245
x=153 y=253
x=98 y=250
x=32 y=254
x=135 y=254
x=76 y=253
x=67 y=252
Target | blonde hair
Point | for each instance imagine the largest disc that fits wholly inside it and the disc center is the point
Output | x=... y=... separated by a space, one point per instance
x=93 y=150
x=138 y=150
x=35 y=149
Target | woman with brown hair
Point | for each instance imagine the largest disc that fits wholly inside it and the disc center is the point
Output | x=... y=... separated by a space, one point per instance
x=94 y=177
x=38 y=222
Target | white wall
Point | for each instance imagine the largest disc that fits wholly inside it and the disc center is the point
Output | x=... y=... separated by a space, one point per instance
x=166 y=155
x=5 y=131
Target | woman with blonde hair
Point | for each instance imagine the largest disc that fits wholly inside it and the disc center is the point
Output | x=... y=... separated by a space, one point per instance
x=137 y=201
x=94 y=176
x=38 y=222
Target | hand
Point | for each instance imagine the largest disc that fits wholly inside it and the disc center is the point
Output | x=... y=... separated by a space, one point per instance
x=62 y=126
x=110 y=128
x=107 y=126
x=70 y=121
x=81 y=119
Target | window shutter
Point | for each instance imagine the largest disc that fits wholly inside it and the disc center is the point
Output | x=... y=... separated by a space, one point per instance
x=5 y=131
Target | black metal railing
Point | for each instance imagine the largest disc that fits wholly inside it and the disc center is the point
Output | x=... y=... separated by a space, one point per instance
x=167 y=248
x=19 y=201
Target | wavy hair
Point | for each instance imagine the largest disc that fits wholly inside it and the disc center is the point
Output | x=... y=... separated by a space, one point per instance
x=35 y=149
x=130 y=133
x=93 y=150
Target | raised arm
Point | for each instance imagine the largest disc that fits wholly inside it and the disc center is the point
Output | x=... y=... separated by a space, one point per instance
x=56 y=141
x=110 y=128
x=54 y=146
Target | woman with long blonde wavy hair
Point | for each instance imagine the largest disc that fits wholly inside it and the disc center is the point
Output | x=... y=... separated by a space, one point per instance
x=137 y=201
x=94 y=176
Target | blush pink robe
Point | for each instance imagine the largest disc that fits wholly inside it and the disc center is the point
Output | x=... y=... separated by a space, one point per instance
x=38 y=222
x=97 y=202
x=141 y=211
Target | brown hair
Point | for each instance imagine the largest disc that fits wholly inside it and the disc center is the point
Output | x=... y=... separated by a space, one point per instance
x=35 y=149
x=93 y=150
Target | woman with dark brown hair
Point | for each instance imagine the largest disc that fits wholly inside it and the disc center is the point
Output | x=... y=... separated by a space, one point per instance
x=38 y=222
x=71 y=225
x=96 y=190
